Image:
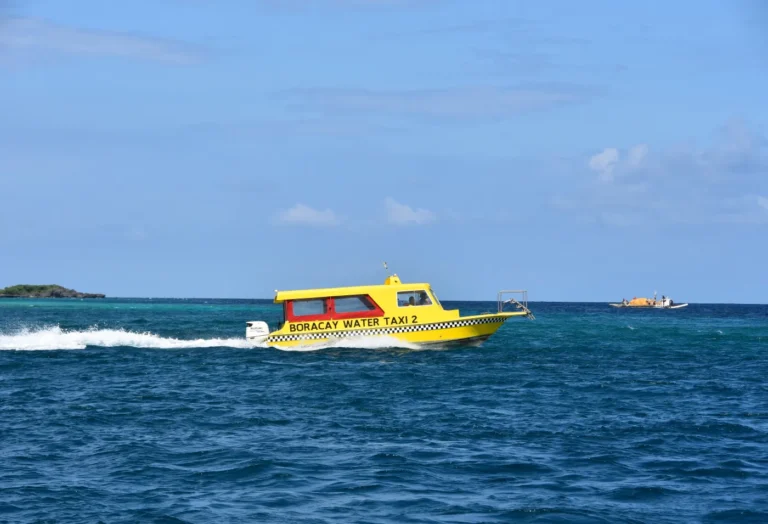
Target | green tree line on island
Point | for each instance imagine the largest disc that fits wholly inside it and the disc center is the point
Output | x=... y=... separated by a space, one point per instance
x=44 y=291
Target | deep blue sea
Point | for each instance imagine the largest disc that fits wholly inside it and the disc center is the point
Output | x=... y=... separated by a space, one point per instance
x=133 y=410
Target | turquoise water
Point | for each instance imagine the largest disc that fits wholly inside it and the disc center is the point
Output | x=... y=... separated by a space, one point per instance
x=157 y=411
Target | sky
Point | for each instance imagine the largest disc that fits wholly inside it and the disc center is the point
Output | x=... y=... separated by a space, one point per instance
x=584 y=151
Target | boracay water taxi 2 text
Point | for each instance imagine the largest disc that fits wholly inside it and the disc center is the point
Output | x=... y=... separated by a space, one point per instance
x=409 y=313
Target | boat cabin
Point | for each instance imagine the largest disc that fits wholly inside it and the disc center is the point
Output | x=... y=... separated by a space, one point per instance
x=358 y=302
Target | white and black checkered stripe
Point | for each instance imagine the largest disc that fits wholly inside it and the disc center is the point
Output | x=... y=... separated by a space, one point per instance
x=386 y=330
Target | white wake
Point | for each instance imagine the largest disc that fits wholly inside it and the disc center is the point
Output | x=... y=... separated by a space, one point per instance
x=52 y=338
x=57 y=338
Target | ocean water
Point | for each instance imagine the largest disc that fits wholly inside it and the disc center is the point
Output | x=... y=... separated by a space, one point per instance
x=135 y=410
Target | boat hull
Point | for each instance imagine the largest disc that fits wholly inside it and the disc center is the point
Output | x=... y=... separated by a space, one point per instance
x=471 y=330
x=675 y=306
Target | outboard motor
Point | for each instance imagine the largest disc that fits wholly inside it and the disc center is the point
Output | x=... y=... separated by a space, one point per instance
x=257 y=332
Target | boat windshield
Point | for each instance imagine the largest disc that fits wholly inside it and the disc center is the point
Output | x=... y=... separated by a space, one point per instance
x=418 y=297
x=434 y=295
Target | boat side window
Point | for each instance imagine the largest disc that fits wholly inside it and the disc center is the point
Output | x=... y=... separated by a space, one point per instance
x=309 y=308
x=355 y=304
x=413 y=298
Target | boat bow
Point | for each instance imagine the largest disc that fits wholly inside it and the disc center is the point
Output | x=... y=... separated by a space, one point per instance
x=520 y=303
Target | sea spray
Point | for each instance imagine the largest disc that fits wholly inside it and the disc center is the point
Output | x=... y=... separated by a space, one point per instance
x=54 y=337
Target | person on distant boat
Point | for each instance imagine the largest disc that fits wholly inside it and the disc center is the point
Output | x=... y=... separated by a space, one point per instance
x=624 y=301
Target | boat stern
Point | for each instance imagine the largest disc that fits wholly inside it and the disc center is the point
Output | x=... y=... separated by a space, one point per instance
x=257 y=332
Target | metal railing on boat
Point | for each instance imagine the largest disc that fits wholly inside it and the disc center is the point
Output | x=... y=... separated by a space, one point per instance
x=521 y=302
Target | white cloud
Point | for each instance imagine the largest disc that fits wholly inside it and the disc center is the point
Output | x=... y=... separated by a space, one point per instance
x=721 y=182
x=736 y=138
x=401 y=214
x=38 y=36
x=306 y=216
x=762 y=202
x=609 y=162
x=636 y=156
x=604 y=163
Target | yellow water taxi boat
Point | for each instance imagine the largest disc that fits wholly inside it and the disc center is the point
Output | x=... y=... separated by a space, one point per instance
x=409 y=313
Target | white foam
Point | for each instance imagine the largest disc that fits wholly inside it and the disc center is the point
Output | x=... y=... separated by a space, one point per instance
x=50 y=338
x=53 y=338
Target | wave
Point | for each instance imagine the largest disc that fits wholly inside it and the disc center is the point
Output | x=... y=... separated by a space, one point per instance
x=51 y=338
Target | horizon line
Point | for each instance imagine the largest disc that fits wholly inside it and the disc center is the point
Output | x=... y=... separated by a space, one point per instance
x=442 y=300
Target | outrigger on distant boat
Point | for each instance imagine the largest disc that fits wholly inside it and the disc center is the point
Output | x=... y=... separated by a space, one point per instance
x=409 y=313
x=664 y=303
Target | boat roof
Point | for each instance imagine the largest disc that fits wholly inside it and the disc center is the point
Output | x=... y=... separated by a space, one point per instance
x=392 y=282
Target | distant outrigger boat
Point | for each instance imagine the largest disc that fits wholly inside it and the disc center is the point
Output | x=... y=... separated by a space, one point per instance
x=409 y=313
x=642 y=302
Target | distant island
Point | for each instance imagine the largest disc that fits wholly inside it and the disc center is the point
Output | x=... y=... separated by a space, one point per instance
x=52 y=291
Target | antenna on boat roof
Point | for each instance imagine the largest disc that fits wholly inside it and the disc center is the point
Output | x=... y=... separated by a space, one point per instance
x=386 y=268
